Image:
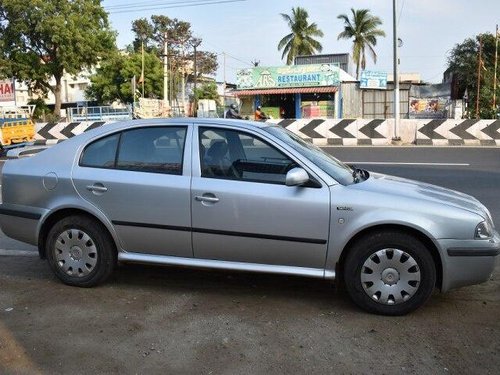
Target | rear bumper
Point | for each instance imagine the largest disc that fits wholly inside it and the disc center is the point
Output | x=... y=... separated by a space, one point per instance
x=468 y=262
x=20 y=222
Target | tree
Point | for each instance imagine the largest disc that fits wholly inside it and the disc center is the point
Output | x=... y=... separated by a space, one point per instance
x=42 y=39
x=301 y=40
x=363 y=29
x=463 y=63
x=207 y=91
x=179 y=37
x=113 y=79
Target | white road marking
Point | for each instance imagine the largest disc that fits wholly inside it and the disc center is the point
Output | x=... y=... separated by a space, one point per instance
x=402 y=163
x=18 y=253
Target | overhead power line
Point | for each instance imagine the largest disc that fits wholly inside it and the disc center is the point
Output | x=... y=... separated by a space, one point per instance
x=116 y=9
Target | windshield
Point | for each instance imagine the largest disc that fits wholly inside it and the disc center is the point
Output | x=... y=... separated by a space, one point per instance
x=333 y=167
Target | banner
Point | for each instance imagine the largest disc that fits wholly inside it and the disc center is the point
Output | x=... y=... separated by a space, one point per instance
x=288 y=76
x=7 y=93
x=432 y=108
x=373 y=80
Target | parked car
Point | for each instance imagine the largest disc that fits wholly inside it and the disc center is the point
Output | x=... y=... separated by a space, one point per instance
x=247 y=196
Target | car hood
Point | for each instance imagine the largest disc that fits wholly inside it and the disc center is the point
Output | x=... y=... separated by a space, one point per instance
x=401 y=187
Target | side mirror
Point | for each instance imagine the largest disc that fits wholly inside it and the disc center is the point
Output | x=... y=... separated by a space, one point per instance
x=296 y=177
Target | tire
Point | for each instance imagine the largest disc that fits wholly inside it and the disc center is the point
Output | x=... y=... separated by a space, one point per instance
x=401 y=281
x=80 y=251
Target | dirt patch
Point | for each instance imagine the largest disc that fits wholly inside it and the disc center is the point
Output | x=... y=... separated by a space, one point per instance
x=167 y=320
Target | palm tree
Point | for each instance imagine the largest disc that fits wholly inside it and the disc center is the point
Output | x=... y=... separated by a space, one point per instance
x=363 y=29
x=300 y=41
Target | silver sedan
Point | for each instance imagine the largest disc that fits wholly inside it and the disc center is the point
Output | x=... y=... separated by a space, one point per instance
x=246 y=196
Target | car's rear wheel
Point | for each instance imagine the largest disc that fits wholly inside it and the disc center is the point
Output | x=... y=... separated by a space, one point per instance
x=80 y=251
x=390 y=273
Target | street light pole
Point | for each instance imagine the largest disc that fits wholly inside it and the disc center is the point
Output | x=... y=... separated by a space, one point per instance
x=396 y=73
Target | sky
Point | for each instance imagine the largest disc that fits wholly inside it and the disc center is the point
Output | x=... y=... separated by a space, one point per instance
x=249 y=30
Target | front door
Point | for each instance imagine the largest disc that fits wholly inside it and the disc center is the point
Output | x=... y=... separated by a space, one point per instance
x=137 y=179
x=242 y=210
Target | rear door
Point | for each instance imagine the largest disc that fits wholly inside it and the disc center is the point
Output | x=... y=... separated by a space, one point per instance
x=140 y=179
x=243 y=211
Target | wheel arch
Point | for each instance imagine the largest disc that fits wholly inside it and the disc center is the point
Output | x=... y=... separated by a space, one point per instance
x=429 y=244
x=59 y=214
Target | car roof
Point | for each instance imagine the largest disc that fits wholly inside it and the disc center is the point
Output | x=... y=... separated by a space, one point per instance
x=185 y=121
x=195 y=120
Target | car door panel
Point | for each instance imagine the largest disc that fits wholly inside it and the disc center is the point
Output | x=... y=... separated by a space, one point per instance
x=260 y=223
x=249 y=220
x=149 y=211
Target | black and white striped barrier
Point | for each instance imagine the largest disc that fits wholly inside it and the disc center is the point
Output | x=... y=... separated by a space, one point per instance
x=458 y=132
x=51 y=133
x=346 y=132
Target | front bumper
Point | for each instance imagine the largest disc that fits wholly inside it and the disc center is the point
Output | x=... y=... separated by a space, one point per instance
x=468 y=262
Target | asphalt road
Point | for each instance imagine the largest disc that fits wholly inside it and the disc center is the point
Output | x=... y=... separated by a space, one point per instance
x=149 y=320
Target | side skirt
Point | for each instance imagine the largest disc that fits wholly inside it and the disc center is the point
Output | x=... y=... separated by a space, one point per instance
x=224 y=265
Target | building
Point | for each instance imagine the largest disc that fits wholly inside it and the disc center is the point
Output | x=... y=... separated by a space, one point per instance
x=297 y=91
x=342 y=60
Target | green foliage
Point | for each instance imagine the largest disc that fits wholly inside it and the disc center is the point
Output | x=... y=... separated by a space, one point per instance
x=180 y=40
x=41 y=109
x=363 y=29
x=207 y=91
x=45 y=38
x=301 y=40
x=463 y=61
x=113 y=79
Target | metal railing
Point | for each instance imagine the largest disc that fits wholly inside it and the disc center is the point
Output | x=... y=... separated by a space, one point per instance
x=102 y=113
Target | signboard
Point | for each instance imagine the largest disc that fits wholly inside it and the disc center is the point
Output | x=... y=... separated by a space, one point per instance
x=288 y=76
x=373 y=80
x=430 y=108
x=7 y=93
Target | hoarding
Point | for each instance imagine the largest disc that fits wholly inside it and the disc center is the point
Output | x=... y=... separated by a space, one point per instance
x=373 y=80
x=7 y=93
x=288 y=76
x=430 y=108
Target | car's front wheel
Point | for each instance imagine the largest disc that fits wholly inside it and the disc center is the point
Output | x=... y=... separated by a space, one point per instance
x=390 y=273
x=80 y=251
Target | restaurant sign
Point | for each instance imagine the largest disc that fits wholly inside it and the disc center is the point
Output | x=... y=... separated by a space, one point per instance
x=313 y=75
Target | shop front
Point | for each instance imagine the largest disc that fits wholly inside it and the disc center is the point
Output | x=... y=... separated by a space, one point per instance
x=290 y=92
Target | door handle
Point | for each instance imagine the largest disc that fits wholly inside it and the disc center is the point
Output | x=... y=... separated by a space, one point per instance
x=97 y=188
x=203 y=198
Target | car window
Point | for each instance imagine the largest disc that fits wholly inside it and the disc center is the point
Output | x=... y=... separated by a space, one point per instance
x=329 y=164
x=235 y=155
x=101 y=153
x=155 y=149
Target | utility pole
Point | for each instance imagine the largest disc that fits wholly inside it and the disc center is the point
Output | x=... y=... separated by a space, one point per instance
x=166 y=103
x=183 y=84
x=224 y=86
x=142 y=69
x=495 y=73
x=479 y=66
x=195 y=42
x=396 y=72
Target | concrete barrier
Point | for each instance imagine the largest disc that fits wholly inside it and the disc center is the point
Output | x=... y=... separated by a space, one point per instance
x=50 y=133
x=347 y=132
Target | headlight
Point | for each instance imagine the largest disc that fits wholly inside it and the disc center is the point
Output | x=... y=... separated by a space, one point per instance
x=484 y=231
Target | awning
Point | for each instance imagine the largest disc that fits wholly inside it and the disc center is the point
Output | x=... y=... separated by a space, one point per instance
x=289 y=90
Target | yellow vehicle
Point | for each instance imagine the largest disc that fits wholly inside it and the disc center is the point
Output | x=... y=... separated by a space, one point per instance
x=16 y=126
